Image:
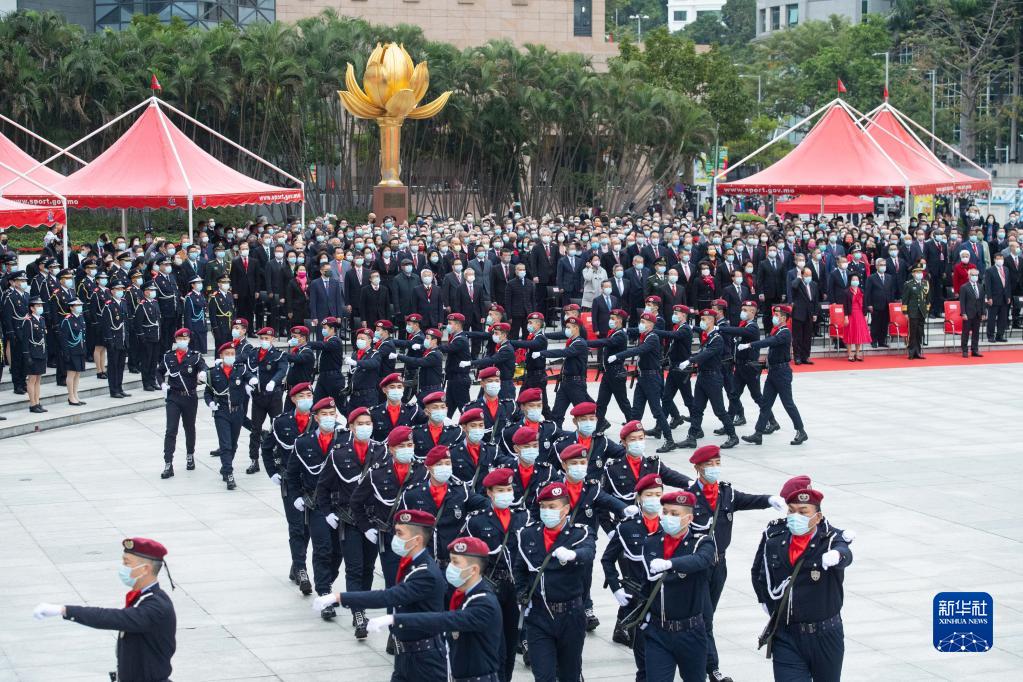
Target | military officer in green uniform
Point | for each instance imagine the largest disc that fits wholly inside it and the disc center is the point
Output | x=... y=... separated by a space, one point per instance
x=916 y=296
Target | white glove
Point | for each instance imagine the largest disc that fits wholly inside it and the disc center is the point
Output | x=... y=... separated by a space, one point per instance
x=248 y=389
x=165 y=387
x=622 y=597
x=659 y=565
x=464 y=363
x=612 y=358
x=299 y=504
x=764 y=607
x=631 y=511
x=416 y=346
x=254 y=381
x=202 y=376
x=392 y=356
x=351 y=362
x=683 y=364
x=830 y=558
x=213 y=406
x=564 y=554
x=380 y=623
x=848 y=535
x=276 y=478
x=535 y=354
x=45 y=610
x=270 y=386
x=371 y=535
x=778 y=502
x=742 y=346
x=331 y=520
x=322 y=602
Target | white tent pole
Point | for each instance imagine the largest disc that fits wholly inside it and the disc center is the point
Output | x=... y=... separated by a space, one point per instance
x=302 y=209
x=181 y=166
x=879 y=147
x=721 y=175
x=906 y=119
x=63 y=236
x=63 y=201
x=928 y=157
x=39 y=137
x=908 y=206
x=822 y=204
x=869 y=113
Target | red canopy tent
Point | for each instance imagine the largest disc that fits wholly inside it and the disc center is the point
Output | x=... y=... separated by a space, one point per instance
x=14 y=214
x=830 y=203
x=11 y=184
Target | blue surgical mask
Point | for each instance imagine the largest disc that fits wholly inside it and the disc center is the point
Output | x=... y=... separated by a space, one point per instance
x=408 y=329
x=293 y=342
x=529 y=455
x=671 y=524
x=327 y=423
x=636 y=447
x=394 y=394
x=453 y=574
x=404 y=455
x=551 y=518
x=712 y=474
x=503 y=500
x=798 y=524
x=588 y=427
x=119 y=295
x=576 y=472
x=265 y=344
x=361 y=344
x=743 y=315
x=703 y=325
x=398 y=546
x=228 y=360
x=437 y=416
x=534 y=414
x=475 y=435
x=651 y=505
x=775 y=320
x=363 y=431
x=124 y=573
x=442 y=472
x=181 y=345
x=676 y=318
x=236 y=333
x=304 y=404
x=492 y=388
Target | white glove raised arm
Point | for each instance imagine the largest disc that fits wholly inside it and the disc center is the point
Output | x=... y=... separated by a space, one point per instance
x=535 y=354
x=683 y=364
x=612 y=358
x=392 y=356
x=742 y=346
x=351 y=362
x=830 y=558
x=253 y=381
x=778 y=502
x=46 y=610
x=464 y=363
x=416 y=346
x=380 y=623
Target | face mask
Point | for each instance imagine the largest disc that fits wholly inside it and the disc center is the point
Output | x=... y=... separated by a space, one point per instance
x=181 y=345
x=304 y=404
x=394 y=394
x=405 y=454
x=534 y=414
x=492 y=388
x=651 y=505
x=124 y=573
x=551 y=518
x=437 y=416
x=150 y=295
x=375 y=281
x=475 y=435
x=703 y=325
x=503 y=500
x=228 y=360
x=398 y=546
x=712 y=474
x=327 y=423
x=529 y=455
x=918 y=276
x=808 y=280
x=77 y=310
x=427 y=280
x=636 y=448
x=672 y=525
x=442 y=472
x=118 y=295
x=973 y=278
x=363 y=431
x=453 y=574
x=676 y=318
x=797 y=524
x=588 y=427
x=264 y=344
x=361 y=344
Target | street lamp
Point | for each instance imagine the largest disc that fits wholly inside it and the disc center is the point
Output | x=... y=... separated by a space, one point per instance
x=639 y=25
x=886 y=60
x=933 y=73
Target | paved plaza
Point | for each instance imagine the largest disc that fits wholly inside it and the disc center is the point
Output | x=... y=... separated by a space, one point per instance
x=924 y=464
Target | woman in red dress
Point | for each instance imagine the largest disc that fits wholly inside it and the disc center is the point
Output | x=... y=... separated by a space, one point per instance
x=857 y=332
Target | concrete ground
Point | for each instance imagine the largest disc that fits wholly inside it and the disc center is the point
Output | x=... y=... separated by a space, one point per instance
x=923 y=463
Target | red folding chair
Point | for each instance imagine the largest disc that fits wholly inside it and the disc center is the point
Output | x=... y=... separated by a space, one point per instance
x=953 y=321
x=836 y=326
x=898 y=323
x=587 y=319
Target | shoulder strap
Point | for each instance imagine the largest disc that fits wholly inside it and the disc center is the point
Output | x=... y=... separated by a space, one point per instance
x=767 y=636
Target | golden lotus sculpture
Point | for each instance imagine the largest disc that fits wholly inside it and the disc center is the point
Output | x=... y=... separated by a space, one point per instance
x=392 y=89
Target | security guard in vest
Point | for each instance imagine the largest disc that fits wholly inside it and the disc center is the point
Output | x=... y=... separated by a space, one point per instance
x=429 y=367
x=226 y=396
x=267 y=367
x=300 y=357
x=745 y=375
x=277 y=449
x=458 y=354
x=503 y=358
x=535 y=367
x=330 y=383
x=779 y=377
x=393 y=411
x=679 y=350
x=497 y=526
x=497 y=411
x=678 y=562
x=147 y=326
x=614 y=376
x=116 y=333
x=418 y=587
x=709 y=384
x=573 y=372
x=179 y=375
x=797 y=574
x=555 y=554
x=650 y=386
x=716 y=502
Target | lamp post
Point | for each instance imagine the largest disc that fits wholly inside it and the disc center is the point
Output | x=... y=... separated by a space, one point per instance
x=933 y=73
x=887 y=58
x=639 y=25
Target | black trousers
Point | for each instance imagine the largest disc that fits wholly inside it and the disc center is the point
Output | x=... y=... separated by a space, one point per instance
x=221 y=335
x=244 y=307
x=298 y=531
x=556 y=643
x=537 y=380
x=115 y=370
x=879 y=320
x=649 y=389
x=168 y=325
x=181 y=408
x=802 y=338
x=263 y=406
x=572 y=392
x=18 y=368
x=997 y=321
x=359 y=556
x=778 y=385
x=718 y=575
x=134 y=353
x=971 y=327
x=510 y=622
x=667 y=652
x=802 y=656
x=677 y=382
x=613 y=387
x=518 y=327
x=229 y=425
x=326 y=551
x=916 y=336
x=457 y=393
x=708 y=390
x=329 y=384
x=744 y=378
x=150 y=356
x=53 y=338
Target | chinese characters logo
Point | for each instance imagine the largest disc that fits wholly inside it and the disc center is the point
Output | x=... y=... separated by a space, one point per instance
x=963 y=622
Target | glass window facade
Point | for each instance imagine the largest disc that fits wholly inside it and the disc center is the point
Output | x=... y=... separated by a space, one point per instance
x=582 y=18
x=116 y=14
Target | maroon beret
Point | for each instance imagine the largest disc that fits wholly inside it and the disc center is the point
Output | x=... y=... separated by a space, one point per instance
x=570 y=307
x=456 y=317
x=530 y=395
x=488 y=373
x=649 y=317
x=182 y=333
x=329 y=322
x=653 y=299
x=435 y=333
x=300 y=329
x=681 y=309
x=502 y=476
x=702 y=454
x=524 y=435
x=584 y=409
x=469 y=546
x=358 y=412
x=435 y=397
x=787 y=309
x=502 y=327
x=415 y=517
x=618 y=312
x=324 y=404
x=649 y=481
x=364 y=331
x=385 y=324
x=497 y=307
x=225 y=346
x=630 y=428
x=298 y=388
x=795 y=483
x=436 y=454
x=534 y=316
x=805 y=496
x=393 y=378
x=145 y=548
x=399 y=434
x=266 y=331
x=683 y=497
x=719 y=302
x=574 y=451
x=552 y=491
x=414 y=317
x=708 y=311
x=473 y=415
x=572 y=320
x=749 y=304
x=242 y=322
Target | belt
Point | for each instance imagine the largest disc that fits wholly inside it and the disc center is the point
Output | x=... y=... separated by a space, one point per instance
x=363 y=391
x=178 y=391
x=779 y=364
x=565 y=606
x=651 y=372
x=489 y=677
x=538 y=374
x=820 y=626
x=415 y=645
x=679 y=625
x=431 y=389
x=577 y=379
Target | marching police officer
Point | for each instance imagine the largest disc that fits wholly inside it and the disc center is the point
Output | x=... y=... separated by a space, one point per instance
x=418 y=587
x=531 y=416
x=503 y=358
x=745 y=371
x=614 y=377
x=679 y=350
x=558 y=553
x=179 y=374
x=226 y=396
x=267 y=367
x=277 y=449
x=471 y=457
x=535 y=367
x=497 y=411
x=432 y=431
x=622 y=473
x=529 y=475
x=458 y=354
x=797 y=574
x=365 y=362
x=331 y=382
x=709 y=384
x=146 y=624
x=383 y=344
x=572 y=387
x=411 y=346
x=779 y=376
x=147 y=326
x=393 y=411
x=117 y=337
x=300 y=357
x=599 y=449
x=429 y=367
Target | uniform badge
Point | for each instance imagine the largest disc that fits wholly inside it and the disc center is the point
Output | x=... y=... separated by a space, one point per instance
x=460 y=547
x=458 y=515
x=803 y=497
x=815 y=575
x=405 y=518
x=267 y=368
x=190 y=370
x=454 y=635
x=600 y=464
x=237 y=382
x=729 y=516
x=589 y=511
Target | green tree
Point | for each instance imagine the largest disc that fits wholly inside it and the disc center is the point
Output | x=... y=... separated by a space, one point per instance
x=707 y=30
x=740 y=18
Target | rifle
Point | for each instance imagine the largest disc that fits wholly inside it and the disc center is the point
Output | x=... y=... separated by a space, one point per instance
x=632 y=623
x=767 y=636
x=489 y=577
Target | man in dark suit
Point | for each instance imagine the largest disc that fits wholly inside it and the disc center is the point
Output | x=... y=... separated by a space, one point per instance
x=278 y=272
x=1014 y=264
x=569 y=278
x=838 y=283
x=428 y=300
x=635 y=279
x=500 y=275
x=805 y=297
x=878 y=293
x=686 y=270
x=613 y=257
x=325 y=299
x=541 y=266
x=771 y=283
x=522 y=300
x=897 y=269
x=355 y=280
x=375 y=301
x=971 y=307
x=246 y=280
x=403 y=288
x=936 y=255
x=471 y=300
x=725 y=270
x=673 y=293
x=734 y=293
x=602 y=305
x=998 y=295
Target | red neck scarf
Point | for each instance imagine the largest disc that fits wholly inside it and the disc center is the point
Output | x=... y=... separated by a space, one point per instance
x=181 y=355
x=325 y=439
x=394 y=411
x=504 y=516
x=360 y=447
x=526 y=474
x=574 y=491
x=130 y=597
x=262 y=353
x=672 y=543
x=301 y=421
x=227 y=370
x=457 y=599
x=435 y=432
x=634 y=463
x=550 y=536
x=492 y=404
x=474 y=452
x=403 y=565
x=710 y=491
x=437 y=492
x=652 y=523
x=400 y=471
x=798 y=546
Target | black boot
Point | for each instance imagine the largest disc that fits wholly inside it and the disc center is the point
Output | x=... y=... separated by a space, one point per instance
x=168 y=470
x=293 y=574
x=231 y=485
x=603 y=425
x=668 y=446
x=190 y=461
x=253 y=467
x=654 y=434
x=621 y=636
x=800 y=438
x=591 y=620
x=740 y=420
x=730 y=443
x=328 y=612
x=302 y=578
x=716 y=676
x=689 y=442
x=214 y=453
x=756 y=438
x=359 y=622
x=676 y=422
x=719 y=432
x=772 y=426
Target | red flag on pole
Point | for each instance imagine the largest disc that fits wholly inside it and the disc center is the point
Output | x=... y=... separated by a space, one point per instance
x=154 y=84
x=841 y=86
x=886 y=93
